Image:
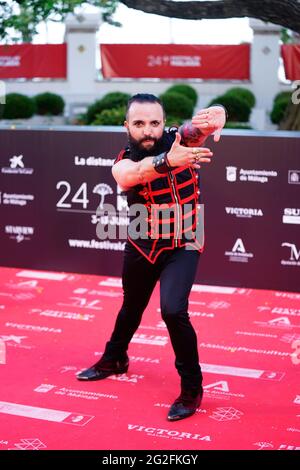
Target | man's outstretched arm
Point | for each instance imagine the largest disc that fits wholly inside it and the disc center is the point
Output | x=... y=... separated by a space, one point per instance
x=128 y=173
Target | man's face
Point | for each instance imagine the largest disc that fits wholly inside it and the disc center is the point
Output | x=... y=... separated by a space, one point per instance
x=145 y=124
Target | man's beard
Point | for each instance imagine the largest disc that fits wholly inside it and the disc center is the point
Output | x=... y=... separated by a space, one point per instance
x=138 y=152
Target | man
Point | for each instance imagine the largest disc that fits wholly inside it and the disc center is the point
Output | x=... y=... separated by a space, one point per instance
x=158 y=171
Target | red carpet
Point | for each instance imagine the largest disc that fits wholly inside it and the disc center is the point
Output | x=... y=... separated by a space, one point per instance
x=52 y=325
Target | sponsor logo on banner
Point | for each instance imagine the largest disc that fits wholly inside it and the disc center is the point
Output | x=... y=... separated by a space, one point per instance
x=44 y=388
x=287 y=295
x=220 y=390
x=291 y=216
x=47 y=275
x=77 y=199
x=161 y=324
x=174 y=60
x=226 y=414
x=19 y=296
x=111 y=282
x=150 y=339
x=93 y=161
x=62 y=314
x=73 y=393
x=29 y=444
x=238 y=252
x=294 y=252
x=214 y=289
x=45 y=414
x=35 y=328
x=246 y=212
x=14 y=199
x=289 y=338
x=295 y=356
x=286 y=311
x=168 y=433
x=243 y=372
x=294 y=177
x=293 y=429
x=288 y=447
x=251 y=176
x=17 y=167
x=280 y=323
x=82 y=302
x=97 y=245
x=15 y=341
x=254 y=333
x=25 y=286
x=297 y=400
x=19 y=233
x=100 y=293
x=2 y=351
x=10 y=61
x=263 y=445
x=234 y=348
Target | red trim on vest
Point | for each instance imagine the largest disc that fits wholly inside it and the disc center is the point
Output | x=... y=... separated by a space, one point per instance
x=120 y=156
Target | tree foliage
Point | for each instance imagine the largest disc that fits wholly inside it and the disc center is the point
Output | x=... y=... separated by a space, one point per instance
x=25 y=15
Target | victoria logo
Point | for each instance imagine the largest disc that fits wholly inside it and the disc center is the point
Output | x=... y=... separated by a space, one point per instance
x=17 y=166
x=244 y=212
x=294 y=258
x=238 y=252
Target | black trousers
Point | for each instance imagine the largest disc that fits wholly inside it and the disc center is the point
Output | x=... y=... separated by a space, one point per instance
x=176 y=270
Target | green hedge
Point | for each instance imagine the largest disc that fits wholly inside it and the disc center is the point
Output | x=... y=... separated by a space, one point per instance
x=18 y=106
x=185 y=90
x=238 y=109
x=237 y=125
x=244 y=94
x=283 y=95
x=177 y=105
x=279 y=109
x=49 y=104
x=110 y=101
x=110 y=117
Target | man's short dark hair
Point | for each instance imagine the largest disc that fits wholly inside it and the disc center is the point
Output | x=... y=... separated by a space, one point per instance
x=144 y=98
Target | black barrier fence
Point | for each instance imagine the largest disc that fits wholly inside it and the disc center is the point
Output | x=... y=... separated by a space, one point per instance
x=52 y=182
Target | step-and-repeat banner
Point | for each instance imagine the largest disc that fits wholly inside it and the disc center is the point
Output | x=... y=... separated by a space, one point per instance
x=52 y=182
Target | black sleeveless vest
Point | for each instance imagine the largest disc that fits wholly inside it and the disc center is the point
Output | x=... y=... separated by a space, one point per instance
x=171 y=204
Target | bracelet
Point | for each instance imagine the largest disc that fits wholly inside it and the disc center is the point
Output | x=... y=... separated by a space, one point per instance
x=161 y=163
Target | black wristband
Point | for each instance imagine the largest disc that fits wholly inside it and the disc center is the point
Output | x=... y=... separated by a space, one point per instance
x=221 y=106
x=161 y=163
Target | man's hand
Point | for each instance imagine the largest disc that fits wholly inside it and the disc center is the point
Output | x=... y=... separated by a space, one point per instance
x=181 y=156
x=210 y=121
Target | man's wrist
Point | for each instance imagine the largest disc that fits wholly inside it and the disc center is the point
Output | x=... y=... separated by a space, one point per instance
x=161 y=163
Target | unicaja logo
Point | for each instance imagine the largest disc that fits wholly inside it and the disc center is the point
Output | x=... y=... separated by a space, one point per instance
x=231 y=173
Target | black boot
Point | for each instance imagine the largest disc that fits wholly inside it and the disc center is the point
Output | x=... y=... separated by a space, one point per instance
x=104 y=368
x=186 y=404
